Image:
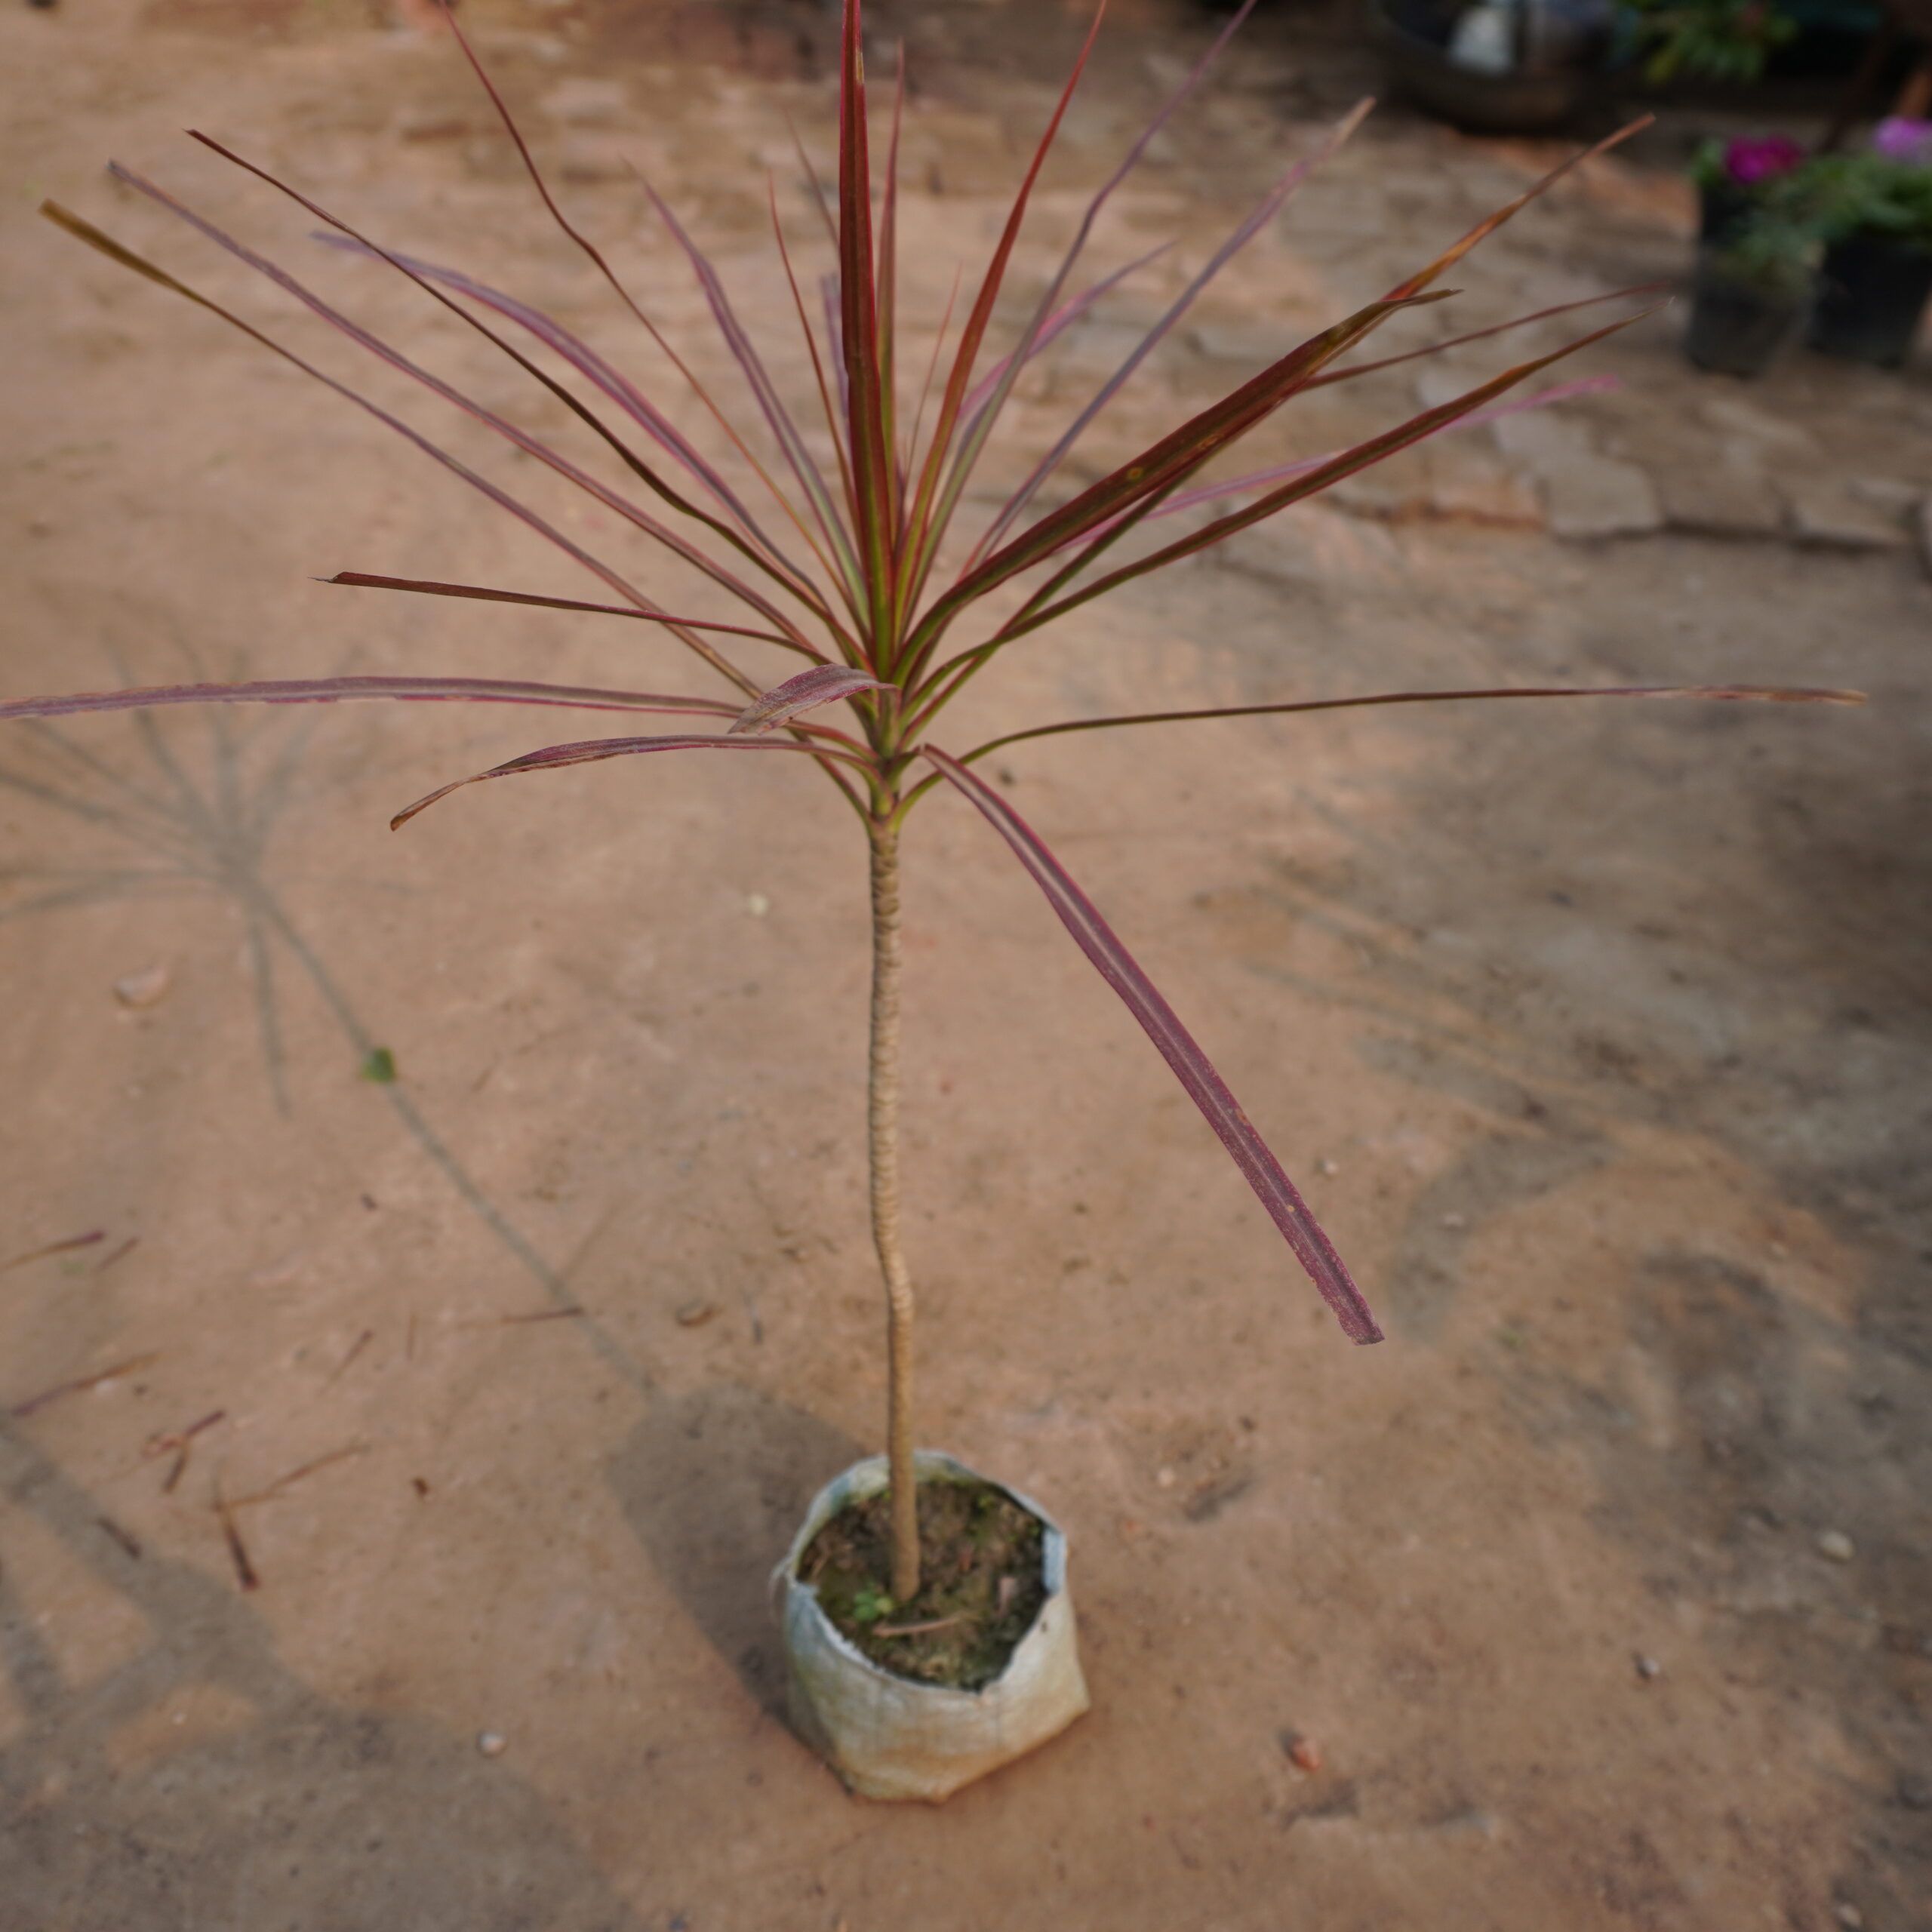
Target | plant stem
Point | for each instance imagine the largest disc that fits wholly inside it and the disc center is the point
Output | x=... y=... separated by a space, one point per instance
x=882 y=1125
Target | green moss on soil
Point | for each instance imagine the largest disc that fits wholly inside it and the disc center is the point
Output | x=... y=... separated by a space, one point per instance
x=981 y=1582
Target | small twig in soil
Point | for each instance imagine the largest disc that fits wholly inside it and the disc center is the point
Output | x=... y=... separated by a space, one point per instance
x=356 y=1347
x=107 y=1261
x=518 y=1320
x=918 y=1629
x=54 y=1247
x=83 y=1384
x=295 y=1476
x=245 y=1571
x=180 y=1441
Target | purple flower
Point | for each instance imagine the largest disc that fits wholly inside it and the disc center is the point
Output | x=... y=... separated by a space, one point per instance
x=1749 y=162
x=1900 y=140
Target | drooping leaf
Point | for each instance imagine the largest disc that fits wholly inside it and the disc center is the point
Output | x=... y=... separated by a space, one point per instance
x=335 y=691
x=822 y=684
x=1722 y=693
x=554 y=758
x=1192 y=1067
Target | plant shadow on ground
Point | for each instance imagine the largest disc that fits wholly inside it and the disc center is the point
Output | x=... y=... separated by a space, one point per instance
x=715 y=1483
x=288 y=1808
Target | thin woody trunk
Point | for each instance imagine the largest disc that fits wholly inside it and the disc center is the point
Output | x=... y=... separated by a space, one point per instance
x=882 y=1122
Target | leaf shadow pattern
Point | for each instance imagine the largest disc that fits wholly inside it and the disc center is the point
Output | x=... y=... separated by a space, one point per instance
x=123 y=1806
x=207 y=825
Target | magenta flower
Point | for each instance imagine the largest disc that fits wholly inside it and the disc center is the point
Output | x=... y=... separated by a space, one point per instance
x=1898 y=139
x=1748 y=161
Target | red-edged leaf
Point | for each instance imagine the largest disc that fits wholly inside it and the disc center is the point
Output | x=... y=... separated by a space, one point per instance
x=765 y=392
x=927 y=528
x=1164 y=465
x=334 y=691
x=1209 y=493
x=1039 y=610
x=86 y=232
x=661 y=533
x=479 y=593
x=1720 y=693
x=553 y=757
x=822 y=684
x=859 y=337
x=1354 y=369
x=1050 y=331
x=1192 y=1067
x=1258 y=218
x=771 y=561
x=581 y=357
x=1483 y=228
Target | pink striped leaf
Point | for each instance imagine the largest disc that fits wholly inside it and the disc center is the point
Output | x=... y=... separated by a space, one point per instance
x=824 y=684
x=554 y=758
x=334 y=690
x=1192 y=1067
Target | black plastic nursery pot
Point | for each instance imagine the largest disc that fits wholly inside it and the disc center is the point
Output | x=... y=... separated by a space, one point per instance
x=1871 y=294
x=1737 y=327
x=1722 y=212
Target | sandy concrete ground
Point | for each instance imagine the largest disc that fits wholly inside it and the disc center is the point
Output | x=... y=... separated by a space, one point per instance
x=1598 y=1034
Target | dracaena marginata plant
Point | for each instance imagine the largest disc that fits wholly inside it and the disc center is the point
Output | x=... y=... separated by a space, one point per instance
x=861 y=567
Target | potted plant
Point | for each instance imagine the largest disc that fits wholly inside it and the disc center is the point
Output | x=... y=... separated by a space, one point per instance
x=1735 y=178
x=1717 y=40
x=909 y=1676
x=1757 y=250
x=1874 y=210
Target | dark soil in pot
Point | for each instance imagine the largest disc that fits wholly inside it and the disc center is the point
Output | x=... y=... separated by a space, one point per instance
x=981 y=1586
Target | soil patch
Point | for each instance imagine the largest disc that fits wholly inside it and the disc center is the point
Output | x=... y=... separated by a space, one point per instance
x=981 y=1582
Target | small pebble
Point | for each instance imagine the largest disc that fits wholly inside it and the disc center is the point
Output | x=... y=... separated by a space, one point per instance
x=1305 y=1755
x=696 y=1314
x=1326 y=1168
x=1847 y=1914
x=141 y=990
x=1835 y=1545
x=757 y=904
x=1165 y=1478
x=1454 y=1221
x=1648 y=1667
x=492 y=1743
